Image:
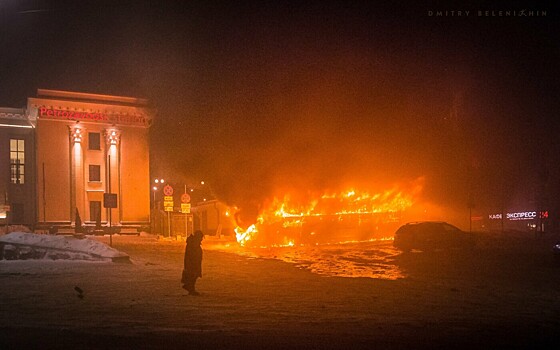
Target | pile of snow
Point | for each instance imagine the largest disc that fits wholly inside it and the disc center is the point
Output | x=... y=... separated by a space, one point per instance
x=23 y=246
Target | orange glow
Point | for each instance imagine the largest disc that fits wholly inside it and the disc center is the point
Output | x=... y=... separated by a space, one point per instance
x=113 y=137
x=77 y=135
x=77 y=153
x=113 y=150
x=373 y=258
x=349 y=215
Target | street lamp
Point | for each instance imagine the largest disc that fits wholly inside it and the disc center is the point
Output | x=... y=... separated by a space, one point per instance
x=208 y=192
x=155 y=188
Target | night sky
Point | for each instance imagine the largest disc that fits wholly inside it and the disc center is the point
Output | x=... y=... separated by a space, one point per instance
x=260 y=97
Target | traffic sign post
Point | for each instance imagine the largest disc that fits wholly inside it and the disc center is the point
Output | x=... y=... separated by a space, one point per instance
x=168 y=190
x=110 y=202
x=168 y=205
x=186 y=208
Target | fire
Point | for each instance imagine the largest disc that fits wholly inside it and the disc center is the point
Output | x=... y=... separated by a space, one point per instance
x=244 y=235
x=345 y=215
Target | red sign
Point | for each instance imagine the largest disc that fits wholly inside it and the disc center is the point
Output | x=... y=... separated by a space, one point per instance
x=49 y=113
x=185 y=198
x=168 y=190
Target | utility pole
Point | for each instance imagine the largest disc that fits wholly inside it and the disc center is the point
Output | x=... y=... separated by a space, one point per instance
x=110 y=210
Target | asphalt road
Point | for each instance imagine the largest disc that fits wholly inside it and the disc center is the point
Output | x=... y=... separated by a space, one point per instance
x=502 y=294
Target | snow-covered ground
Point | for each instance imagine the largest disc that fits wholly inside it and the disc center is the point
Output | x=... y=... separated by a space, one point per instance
x=504 y=293
x=25 y=246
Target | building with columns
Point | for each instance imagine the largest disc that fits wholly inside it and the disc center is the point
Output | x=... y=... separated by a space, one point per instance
x=85 y=147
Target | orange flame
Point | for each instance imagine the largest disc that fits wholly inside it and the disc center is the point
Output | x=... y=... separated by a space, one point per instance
x=292 y=220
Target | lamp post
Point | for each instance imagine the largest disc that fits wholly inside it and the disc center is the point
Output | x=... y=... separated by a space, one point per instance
x=208 y=191
x=155 y=188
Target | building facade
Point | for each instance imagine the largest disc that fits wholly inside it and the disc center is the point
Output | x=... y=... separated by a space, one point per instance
x=89 y=152
x=213 y=218
x=17 y=160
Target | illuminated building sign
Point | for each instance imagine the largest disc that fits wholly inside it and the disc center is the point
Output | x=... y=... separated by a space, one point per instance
x=49 y=113
x=522 y=215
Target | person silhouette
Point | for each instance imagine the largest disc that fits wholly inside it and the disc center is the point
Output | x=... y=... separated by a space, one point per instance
x=192 y=266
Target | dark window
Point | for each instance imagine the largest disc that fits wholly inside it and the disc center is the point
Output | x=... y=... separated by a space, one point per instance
x=17 y=161
x=94 y=173
x=95 y=211
x=94 y=141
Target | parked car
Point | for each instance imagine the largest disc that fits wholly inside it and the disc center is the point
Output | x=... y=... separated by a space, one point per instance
x=556 y=251
x=431 y=235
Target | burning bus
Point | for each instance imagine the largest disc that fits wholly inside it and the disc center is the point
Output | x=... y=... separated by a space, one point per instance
x=328 y=217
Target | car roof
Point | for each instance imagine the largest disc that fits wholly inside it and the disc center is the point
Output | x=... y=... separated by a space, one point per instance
x=425 y=224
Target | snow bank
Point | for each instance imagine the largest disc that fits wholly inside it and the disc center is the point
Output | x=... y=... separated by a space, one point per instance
x=22 y=245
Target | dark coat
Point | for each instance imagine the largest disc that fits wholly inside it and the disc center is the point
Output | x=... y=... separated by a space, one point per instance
x=193 y=257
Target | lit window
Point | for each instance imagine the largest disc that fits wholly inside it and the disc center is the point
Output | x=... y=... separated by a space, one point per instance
x=17 y=161
x=94 y=141
x=94 y=173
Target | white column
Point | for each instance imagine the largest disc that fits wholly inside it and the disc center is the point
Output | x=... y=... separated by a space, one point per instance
x=112 y=138
x=77 y=190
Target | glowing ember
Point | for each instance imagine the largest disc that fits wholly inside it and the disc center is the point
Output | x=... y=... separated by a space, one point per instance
x=350 y=215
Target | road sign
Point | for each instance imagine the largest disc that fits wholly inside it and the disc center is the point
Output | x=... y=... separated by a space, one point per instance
x=168 y=190
x=109 y=200
x=168 y=208
x=185 y=198
x=185 y=208
x=168 y=198
x=168 y=204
